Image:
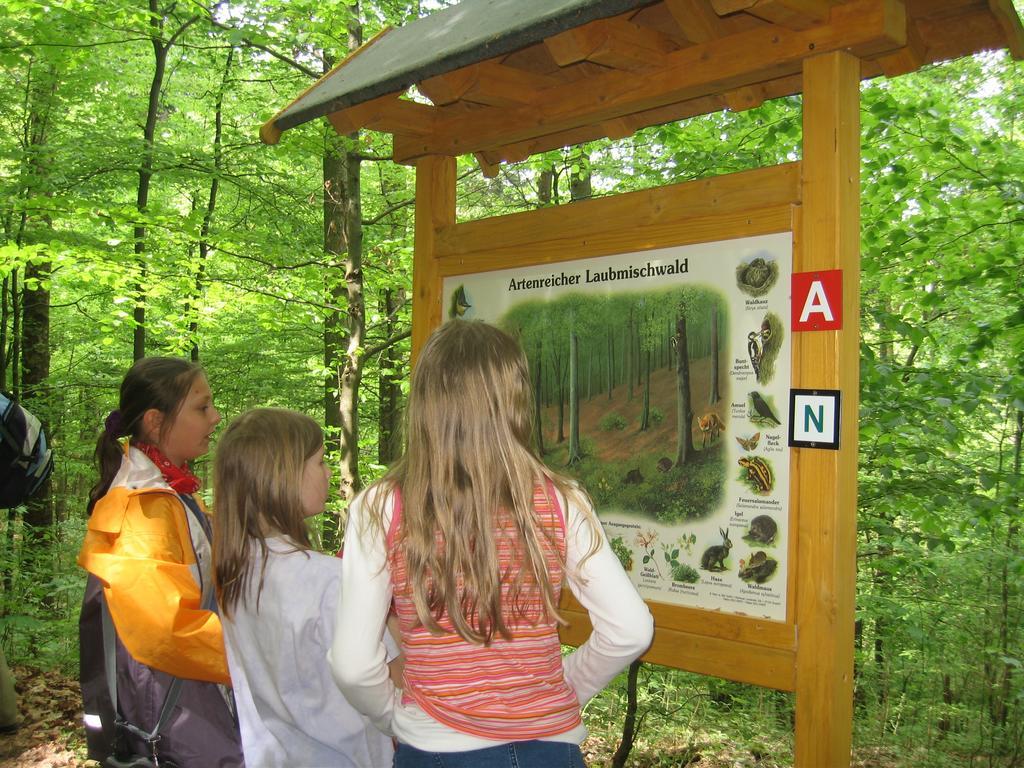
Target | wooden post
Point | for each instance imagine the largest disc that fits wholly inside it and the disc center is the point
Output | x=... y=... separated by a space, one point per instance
x=826 y=493
x=435 y=208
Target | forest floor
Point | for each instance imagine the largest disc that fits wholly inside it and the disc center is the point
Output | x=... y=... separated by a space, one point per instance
x=51 y=737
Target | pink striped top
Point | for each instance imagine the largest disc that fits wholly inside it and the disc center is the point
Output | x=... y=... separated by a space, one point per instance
x=508 y=690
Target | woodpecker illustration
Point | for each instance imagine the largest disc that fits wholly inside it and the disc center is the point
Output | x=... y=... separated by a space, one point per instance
x=762 y=409
x=754 y=350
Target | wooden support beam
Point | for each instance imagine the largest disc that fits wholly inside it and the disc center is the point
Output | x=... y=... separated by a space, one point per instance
x=488 y=166
x=386 y=113
x=1009 y=22
x=825 y=496
x=725 y=7
x=974 y=30
x=489 y=83
x=668 y=207
x=723 y=657
x=864 y=27
x=700 y=24
x=695 y=19
x=744 y=98
x=435 y=208
x=910 y=58
x=615 y=43
x=795 y=14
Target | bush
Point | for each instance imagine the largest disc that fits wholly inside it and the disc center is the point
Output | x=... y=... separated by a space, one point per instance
x=612 y=421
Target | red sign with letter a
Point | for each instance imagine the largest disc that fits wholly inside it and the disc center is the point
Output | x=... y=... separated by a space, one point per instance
x=818 y=300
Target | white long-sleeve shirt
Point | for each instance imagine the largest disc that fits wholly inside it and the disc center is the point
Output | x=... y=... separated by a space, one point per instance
x=622 y=624
x=290 y=711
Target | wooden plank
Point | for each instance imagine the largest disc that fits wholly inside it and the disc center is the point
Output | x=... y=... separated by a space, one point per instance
x=700 y=229
x=271 y=134
x=950 y=36
x=490 y=83
x=720 y=657
x=1008 y=20
x=761 y=188
x=386 y=113
x=795 y=14
x=701 y=24
x=742 y=629
x=612 y=43
x=725 y=7
x=866 y=27
x=695 y=19
x=435 y=208
x=738 y=100
x=907 y=59
x=826 y=487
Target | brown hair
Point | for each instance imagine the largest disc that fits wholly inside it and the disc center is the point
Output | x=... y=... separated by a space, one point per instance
x=152 y=382
x=469 y=455
x=257 y=492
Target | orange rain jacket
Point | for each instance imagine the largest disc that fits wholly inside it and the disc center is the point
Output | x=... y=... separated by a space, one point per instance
x=154 y=560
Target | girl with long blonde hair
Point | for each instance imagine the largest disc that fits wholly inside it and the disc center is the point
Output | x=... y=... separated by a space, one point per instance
x=470 y=538
x=278 y=597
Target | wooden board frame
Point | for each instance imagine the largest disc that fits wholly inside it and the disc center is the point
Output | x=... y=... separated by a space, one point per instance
x=817 y=199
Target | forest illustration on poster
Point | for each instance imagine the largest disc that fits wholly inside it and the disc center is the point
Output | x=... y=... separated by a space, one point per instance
x=661 y=390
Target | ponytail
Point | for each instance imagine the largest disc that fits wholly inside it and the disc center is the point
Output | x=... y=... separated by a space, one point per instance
x=152 y=382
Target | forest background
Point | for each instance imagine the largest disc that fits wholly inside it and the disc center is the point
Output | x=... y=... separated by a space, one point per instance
x=141 y=215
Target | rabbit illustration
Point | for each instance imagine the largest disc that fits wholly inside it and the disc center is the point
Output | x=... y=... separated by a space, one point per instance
x=713 y=558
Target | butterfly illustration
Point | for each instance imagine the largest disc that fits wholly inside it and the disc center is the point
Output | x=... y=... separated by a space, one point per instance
x=749 y=443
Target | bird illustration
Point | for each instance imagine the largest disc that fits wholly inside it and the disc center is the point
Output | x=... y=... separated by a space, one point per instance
x=762 y=409
x=459 y=303
x=755 y=351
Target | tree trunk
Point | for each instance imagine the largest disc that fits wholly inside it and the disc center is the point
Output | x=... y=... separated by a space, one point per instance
x=611 y=363
x=538 y=379
x=627 y=350
x=575 y=453
x=580 y=177
x=15 y=354
x=211 y=206
x=35 y=300
x=156 y=22
x=546 y=186
x=389 y=394
x=345 y=337
x=645 y=413
x=684 y=409
x=629 y=725
x=161 y=48
x=35 y=372
x=5 y=313
x=714 y=396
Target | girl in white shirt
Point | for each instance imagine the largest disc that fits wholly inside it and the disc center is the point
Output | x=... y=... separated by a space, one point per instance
x=278 y=598
x=469 y=539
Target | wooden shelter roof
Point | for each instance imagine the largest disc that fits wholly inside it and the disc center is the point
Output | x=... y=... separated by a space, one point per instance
x=509 y=78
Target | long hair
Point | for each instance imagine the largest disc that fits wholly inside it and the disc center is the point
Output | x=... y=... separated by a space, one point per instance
x=152 y=382
x=257 y=492
x=469 y=459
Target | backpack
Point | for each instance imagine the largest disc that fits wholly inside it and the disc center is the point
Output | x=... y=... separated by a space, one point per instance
x=25 y=459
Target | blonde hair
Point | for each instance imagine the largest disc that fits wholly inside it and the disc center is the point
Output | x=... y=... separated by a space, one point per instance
x=257 y=492
x=470 y=456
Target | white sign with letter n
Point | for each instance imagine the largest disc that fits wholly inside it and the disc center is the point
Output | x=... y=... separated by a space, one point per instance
x=814 y=418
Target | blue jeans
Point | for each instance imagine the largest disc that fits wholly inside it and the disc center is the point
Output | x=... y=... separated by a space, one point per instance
x=515 y=754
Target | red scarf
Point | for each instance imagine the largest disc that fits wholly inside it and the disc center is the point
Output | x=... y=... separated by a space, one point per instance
x=180 y=479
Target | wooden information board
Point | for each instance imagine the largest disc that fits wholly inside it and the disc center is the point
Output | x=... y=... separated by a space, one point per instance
x=719 y=253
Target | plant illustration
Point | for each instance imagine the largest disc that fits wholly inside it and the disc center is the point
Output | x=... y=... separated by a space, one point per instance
x=646 y=542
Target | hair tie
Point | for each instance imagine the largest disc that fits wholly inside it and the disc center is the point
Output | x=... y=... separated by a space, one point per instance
x=114 y=425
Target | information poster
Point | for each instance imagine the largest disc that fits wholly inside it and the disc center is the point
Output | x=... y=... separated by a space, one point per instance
x=661 y=380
